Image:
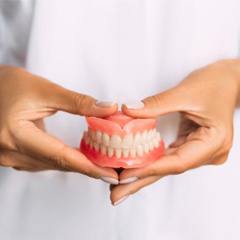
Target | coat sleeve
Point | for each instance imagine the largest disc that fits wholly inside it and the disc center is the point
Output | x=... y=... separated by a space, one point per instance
x=15 y=27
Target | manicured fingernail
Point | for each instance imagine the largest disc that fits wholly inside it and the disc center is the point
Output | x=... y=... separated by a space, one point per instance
x=104 y=104
x=120 y=200
x=110 y=180
x=134 y=105
x=128 y=180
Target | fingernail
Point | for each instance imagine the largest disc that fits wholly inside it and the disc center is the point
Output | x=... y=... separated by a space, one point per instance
x=120 y=200
x=128 y=180
x=110 y=180
x=104 y=104
x=134 y=105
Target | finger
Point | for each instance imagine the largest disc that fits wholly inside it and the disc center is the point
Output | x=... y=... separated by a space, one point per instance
x=34 y=142
x=120 y=192
x=153 y=106
x=170 y=151
x=81 y=104
x=166 y=165
x=40 y=124
x=111 y=187
x=196 y=152
x=218 y=160
x=22 y=162
x=180 y=141
x=187 y=125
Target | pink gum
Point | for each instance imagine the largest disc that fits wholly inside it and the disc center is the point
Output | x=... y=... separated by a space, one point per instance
x=112 y=127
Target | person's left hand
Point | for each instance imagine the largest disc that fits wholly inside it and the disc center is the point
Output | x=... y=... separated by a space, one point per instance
x=206 y=100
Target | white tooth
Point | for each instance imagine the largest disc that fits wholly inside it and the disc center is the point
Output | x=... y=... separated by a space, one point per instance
x=103 y=150
x=96 y=146
x=154 y=132
x=118 y=152
x=144 y=137
x=105 y=139
x=98 y=137
x=95 y=137
x=149 y=135
x=115 y=141
x=91 y=144
x=158 y=136
x=151 y=145
x=137 y=139
x=146 y=148
x=125 y=153
x=91 y=133
x=86 y=137
x=156 y=143
x=110 y=151
x=140 y=150
x=133 y=152
x=127 y=141
x=87 y=140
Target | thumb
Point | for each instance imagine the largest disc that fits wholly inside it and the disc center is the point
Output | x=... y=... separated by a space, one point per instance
x=81 y=104
x=169 y=101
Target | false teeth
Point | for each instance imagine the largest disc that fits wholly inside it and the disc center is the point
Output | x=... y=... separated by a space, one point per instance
x=125 y=153
x=115 y=141
x=98 y=137
x=121 y=141
x=105 y=139
x=110 y=152
x=103 y=150
x=128 y=146
x=127 y=141
x=118 y=152
x=137 y=139
x=133 y=153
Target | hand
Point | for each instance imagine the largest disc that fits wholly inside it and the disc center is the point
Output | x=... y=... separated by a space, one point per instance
x=25 y=100
x=206 y=100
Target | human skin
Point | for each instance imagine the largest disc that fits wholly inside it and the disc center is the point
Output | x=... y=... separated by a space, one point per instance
x=25 y=100
x=206 y=100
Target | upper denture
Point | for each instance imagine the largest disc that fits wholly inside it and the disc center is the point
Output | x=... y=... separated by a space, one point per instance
x=120 y=124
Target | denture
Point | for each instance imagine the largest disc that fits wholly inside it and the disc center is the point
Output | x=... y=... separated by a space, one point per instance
x=120 y=141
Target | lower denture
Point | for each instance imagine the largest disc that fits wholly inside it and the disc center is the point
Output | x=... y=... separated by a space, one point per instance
x=120 y=141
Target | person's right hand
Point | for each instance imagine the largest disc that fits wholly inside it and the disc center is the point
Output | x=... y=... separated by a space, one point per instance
x=25 y=100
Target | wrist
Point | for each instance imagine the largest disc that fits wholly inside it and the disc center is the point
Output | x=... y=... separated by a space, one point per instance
x=232 y=67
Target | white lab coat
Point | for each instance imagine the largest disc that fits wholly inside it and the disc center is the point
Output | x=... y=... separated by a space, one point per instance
x=121 y=50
